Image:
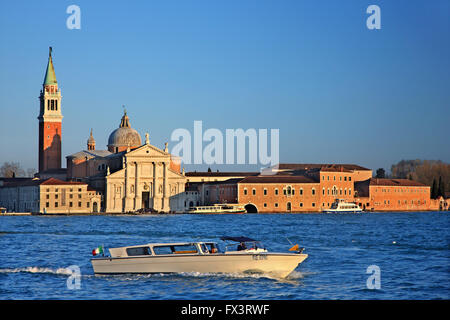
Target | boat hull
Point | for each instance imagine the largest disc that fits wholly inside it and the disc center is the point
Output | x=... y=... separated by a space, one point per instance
x=275 y=264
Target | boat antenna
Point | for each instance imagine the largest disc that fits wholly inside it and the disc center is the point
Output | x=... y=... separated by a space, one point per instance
x=289 y=240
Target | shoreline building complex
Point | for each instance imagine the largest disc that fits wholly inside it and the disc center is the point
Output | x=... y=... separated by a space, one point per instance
x=132 y=176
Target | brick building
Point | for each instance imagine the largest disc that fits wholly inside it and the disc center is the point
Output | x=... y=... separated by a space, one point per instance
x=392 y=195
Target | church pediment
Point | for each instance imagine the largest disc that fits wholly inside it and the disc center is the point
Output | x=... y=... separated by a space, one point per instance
x=147 y=151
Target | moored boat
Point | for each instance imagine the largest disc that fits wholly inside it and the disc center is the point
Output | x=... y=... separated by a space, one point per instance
x=342 y=206
x=202 y=257
x=217 y=209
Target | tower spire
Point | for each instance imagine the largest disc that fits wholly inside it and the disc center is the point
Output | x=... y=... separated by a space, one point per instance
x=50 y=77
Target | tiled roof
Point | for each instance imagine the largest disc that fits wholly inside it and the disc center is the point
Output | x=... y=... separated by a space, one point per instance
x=322 y=166
x=279 y=179
x=90 y=154
x=221 y=174
x=395 y=182
x=54 y=181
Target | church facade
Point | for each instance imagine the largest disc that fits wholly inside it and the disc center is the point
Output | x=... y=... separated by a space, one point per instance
x=132 y=176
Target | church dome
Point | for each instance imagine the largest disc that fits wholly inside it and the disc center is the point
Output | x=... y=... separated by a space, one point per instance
x=124 y=136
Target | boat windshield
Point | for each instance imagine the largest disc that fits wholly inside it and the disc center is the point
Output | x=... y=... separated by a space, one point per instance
x=210 y=247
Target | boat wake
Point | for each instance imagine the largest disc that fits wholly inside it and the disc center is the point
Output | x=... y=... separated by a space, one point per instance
x=61 y=271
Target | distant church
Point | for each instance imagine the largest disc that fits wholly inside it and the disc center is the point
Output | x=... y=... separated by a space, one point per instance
x=131 y=175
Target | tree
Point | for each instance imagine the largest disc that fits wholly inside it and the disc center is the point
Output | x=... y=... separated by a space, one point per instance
x=441 y=188
x=11 y=169
x=381 y=174
x=433 y=194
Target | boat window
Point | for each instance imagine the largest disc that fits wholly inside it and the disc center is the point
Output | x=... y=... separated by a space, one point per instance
x=175 y=249
x=139 y=251
x=162 y=250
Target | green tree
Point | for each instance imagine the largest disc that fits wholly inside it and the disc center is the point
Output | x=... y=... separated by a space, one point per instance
x=380 y=173
x=433 y=190
x=441 y=188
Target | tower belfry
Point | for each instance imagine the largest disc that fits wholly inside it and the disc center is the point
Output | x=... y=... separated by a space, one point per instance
x=50 y=119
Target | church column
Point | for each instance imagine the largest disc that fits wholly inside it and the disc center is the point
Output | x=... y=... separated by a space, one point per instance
x=156 y=194
x=128 y=206
x=166 y=188
x=137 y=189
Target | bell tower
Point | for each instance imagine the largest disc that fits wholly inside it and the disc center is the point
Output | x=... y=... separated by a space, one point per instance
x=50 y=119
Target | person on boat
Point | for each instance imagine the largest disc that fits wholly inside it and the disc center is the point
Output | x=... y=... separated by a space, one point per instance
x=241 y=246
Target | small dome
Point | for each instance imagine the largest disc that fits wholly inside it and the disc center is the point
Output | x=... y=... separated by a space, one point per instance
x=124 y=136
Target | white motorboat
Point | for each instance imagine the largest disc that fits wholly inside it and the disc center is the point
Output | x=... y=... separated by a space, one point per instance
x=202 y=257
x=218 y=208
x=342 y=206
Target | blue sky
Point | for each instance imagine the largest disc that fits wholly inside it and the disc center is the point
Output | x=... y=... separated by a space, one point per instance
x=337 y=91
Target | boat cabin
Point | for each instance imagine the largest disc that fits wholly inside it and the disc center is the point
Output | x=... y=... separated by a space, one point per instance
x=164 y=249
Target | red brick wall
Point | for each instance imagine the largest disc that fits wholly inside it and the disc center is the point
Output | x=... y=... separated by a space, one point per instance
x=49 y=145
x=398 y=198
x=300 y=201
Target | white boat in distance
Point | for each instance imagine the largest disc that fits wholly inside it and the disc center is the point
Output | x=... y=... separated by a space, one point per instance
x=202 y=257
x=218 y=209
x=342 y=206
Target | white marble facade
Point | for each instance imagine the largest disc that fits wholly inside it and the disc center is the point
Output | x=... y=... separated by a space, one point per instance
x=146 y=180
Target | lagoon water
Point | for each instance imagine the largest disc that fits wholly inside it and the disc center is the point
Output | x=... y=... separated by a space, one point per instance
x=410 y=249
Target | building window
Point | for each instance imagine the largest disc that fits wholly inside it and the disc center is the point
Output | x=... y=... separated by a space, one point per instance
x=276 y=191
x=313 y=204
x=301 y=191
x=345 y=178
x=288 y=206
x=265 y=191
x=289 y=190
x=254 y=191
x=70 y=204
x=47 y=204
x=349 y=178
x=79 y=204
x=56 y=196
x=56 y=204
x=265 y=205
x=245 y=192
x=349 y=191
x=313 y=191
x=47 y=196
x=276 y=204
x=323 y=191
x=301 y=204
